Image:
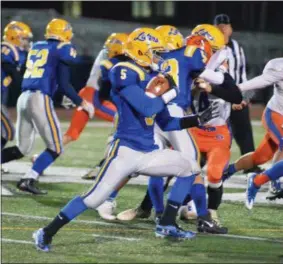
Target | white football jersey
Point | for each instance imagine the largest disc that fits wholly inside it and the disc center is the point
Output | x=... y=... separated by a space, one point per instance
x=203 y=100
x=95 y=73
x=272 y=74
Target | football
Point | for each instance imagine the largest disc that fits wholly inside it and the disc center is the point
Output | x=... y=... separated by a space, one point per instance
x=157 y=86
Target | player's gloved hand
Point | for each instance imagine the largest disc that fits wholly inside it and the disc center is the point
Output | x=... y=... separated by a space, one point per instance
x=210 y=113
x=88 y=107
x=67 y=103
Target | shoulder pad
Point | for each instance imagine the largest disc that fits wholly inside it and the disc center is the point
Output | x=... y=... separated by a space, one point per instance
x=107 y=64
x=9 y=49
x=190 y=51
x=67 y=52
x=134 y=68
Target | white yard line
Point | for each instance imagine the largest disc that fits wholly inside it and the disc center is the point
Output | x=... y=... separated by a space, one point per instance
x=119 y=238
x=50 y=218
x=16 y=241
x=252 y=238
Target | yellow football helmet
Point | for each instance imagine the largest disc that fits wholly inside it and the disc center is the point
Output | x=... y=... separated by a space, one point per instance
x=17 y=33
x=59 y=29
x=142 y=44
x=214 y=36
x=172 y=36
x=115 y=44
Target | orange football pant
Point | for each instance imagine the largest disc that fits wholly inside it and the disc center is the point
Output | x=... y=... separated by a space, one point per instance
x=273 y=139
x=215 y=142
x=104 y=110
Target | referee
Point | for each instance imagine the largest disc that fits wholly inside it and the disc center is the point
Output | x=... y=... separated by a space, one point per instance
x=240 y=118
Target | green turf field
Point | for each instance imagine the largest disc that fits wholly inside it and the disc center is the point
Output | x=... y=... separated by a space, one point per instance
x=89 y=149
x=97 y=242
x=76 y=243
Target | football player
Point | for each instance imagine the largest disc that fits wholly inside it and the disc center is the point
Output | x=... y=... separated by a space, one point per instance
x=181 y=67
x=16 y=43
x=46 y=69
x=97 y=90
x=272 y=119
x=133 y=149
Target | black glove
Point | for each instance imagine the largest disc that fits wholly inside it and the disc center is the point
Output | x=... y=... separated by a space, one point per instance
x=198 y=120
x=210 y=113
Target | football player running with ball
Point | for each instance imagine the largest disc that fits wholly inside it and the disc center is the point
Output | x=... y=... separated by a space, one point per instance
x=133 y=149
x=184 y=63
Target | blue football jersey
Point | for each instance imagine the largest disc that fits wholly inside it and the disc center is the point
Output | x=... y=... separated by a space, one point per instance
x=180 y=63
x=133 y=128
x=12 y=55
x=43 y=59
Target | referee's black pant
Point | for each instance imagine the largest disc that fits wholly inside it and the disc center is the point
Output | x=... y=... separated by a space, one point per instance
x=242 y=130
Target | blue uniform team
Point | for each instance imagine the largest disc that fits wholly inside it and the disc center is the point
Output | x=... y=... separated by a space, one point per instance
x=133 y=150
x=47 y=69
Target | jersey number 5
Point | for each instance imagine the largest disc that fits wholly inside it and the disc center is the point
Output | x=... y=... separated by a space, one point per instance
x=123 y=74
x=34 y=67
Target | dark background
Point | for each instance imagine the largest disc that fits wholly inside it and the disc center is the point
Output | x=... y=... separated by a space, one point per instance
x=249 y=16
x=245 y=15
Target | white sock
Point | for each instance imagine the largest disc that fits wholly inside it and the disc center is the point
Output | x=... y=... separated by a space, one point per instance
x=31 y=174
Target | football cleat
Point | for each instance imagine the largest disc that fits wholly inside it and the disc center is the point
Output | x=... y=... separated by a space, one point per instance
x=133 y=213
x=29 y=185
x=271 y=196
x=205 y=224
x=251 y=192
x=91 y=175
x=173 y=231
x=41 y=241
x=106 y=210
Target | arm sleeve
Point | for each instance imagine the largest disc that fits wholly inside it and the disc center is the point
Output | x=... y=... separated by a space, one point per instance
x=12 y=70
x=64 y=84
x=212 y=77
x=259 y=82
x=104 y=82
x=169 y=123
x=228 y=91
x=142 y=103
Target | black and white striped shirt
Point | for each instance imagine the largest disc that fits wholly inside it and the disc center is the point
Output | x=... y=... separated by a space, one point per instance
x=237 y=65
x=236 y=61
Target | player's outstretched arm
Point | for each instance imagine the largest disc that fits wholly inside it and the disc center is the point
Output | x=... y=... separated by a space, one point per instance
x=227 y=91
x=169 y=123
